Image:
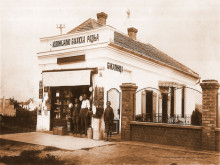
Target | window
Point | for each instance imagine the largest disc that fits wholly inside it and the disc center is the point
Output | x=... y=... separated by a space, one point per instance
x=172 y=102
x=183 y=101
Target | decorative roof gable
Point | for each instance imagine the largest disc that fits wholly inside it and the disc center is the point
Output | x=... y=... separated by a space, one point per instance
x=89 y=24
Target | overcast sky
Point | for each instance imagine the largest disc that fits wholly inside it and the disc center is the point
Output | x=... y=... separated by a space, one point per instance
x=188 y=31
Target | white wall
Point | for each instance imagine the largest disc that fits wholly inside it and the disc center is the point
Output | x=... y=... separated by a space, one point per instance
x=136 y=70
x=189 y=101
x=146 y=74
x=1 y=77
x=43 y=121
x=178 y=101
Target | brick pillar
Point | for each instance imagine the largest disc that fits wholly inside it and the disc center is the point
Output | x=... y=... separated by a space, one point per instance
x=209 y=112
x=128 y=108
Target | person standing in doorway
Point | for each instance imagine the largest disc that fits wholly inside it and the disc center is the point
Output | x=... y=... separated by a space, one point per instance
x=108 y=119
x=83 y=114
x=75 y=117
x=69 y=112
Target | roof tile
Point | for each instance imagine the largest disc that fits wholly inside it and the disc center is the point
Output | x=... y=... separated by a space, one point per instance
x=85 y=26
x=150 y=52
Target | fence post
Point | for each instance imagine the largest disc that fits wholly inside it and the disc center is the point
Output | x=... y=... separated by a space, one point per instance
x=209 y=112
x=128 y=108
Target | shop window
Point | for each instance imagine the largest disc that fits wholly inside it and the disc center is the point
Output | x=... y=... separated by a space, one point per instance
x=60 y=99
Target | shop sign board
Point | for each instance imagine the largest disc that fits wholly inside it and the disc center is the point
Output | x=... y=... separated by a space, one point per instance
x=40 y=90
x=77 y=40
x=71 y=59
x=114 y=67
x=40 y=93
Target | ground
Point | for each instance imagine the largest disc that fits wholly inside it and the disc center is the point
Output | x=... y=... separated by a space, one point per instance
x=12 y=152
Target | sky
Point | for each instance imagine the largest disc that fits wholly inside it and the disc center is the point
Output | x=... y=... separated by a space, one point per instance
x=188 y=31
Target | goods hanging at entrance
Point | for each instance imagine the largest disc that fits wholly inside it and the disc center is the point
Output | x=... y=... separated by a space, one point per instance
x=62 y=99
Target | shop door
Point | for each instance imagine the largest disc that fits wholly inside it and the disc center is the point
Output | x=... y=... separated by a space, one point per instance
x=113 y=95
x=164 y=107
x=149 y=105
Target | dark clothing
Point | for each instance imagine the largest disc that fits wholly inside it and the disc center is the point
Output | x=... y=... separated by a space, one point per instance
x=108 y=128
x=76 y=117
x=76 y=110
x=84 y=121
x=99 y=112
x=109 y=115
x=108 y=118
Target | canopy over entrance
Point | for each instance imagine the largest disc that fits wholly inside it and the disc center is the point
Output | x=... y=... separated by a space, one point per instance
x=66 y=78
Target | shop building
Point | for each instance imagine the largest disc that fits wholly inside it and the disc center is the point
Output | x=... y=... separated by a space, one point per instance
x=95 y=59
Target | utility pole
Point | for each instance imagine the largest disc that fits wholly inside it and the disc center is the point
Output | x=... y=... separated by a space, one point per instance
x=61 y=27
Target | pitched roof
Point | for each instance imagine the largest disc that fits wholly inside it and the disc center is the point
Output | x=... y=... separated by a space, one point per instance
x=85 y=26
x=145 y=50
x=150 y=52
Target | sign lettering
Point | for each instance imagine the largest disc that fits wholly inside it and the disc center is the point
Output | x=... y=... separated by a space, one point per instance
x=77 y=40
x=115 y=67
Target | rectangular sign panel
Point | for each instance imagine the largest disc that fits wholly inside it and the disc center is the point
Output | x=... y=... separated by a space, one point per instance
x=70 y=59
x=67 y=78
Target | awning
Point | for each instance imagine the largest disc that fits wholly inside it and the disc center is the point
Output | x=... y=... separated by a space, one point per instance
x=67 y=78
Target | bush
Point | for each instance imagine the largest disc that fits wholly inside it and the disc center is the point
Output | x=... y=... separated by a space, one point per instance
x=196 y=117
x=23 y=119
x=31 y=157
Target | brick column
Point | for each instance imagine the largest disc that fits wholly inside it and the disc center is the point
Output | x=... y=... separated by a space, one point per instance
x=128 y=108
x=209 y=112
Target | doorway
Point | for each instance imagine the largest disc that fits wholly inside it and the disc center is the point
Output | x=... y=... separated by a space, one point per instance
x=114 y=96
x=149 y=106
x=60 y=97
x=164 y=107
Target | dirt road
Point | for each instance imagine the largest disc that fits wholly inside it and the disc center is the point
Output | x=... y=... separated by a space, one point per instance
x=116 y=153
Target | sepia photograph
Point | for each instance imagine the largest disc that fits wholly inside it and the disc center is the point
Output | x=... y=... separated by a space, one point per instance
x=109 y=82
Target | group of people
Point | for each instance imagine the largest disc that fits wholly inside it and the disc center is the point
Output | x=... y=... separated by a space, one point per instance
x=81 y=116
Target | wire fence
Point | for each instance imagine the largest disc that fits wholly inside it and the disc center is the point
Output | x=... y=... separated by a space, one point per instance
x=164 y=118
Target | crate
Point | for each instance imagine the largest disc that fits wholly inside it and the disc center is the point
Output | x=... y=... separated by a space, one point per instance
x=59 y=130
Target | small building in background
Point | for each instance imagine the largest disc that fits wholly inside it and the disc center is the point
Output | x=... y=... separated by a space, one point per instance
x=6 y=107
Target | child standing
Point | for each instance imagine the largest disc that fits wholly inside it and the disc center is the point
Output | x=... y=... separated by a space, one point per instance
x=108 y=119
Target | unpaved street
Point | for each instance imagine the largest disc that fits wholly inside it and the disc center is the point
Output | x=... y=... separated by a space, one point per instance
x=115 y=153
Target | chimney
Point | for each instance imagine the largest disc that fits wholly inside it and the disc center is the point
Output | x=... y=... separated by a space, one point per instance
x=132 y=33
x=101 y=18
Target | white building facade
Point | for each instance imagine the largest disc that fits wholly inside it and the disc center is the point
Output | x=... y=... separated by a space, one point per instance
x=96 y=59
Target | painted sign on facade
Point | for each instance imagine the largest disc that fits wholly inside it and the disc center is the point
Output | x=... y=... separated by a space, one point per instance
x=77 y=40
x=114 y=67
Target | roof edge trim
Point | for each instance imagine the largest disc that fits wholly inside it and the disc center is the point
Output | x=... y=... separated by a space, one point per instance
x=150 y=59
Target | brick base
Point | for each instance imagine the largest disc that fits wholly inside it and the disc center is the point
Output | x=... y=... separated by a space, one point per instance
x=186 y=136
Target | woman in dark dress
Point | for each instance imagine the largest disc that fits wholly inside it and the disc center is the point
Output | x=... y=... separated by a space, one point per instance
x=76 y=110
